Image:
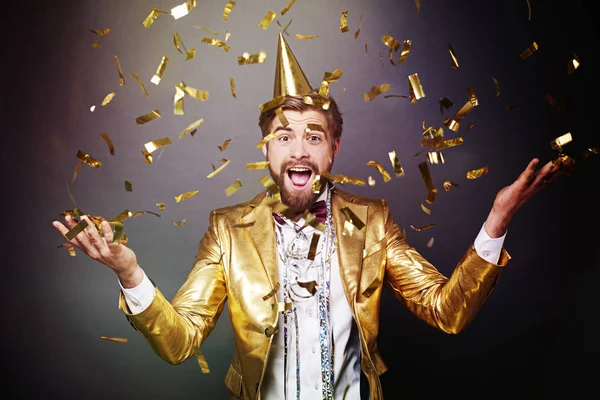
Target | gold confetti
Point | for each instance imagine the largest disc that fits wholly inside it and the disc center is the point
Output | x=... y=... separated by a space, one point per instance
x=324 y=89
x=529 y=8
x=283 y=306
x=281 y=117
x=121 y=77
x=444 y=144
x=216 y=42
x=190 y=54
x=287 y=8
x=149 y=20
x=269 y=184
x=426 y=175
x=311 y=286
x=344 y=21
x=445 y=103
x=178 y=108
x=454 y=122
x=529 y=51
x=227 y=35
x=559 y=142
x=316 y=184
x=284 y=29
x=357 y=33
x=109 y=142
x=275 y=102
x=92 y=108
x=193 y=92
x=101 y=32
x=265 y=139
x=149 y=116
x=266 y=21
x=472 y=96
x=423 y=227
x=417 y=5
x=416 y=90
x=333 y=76
x=232 y=87
x=225 y=144
x=405 y=51
x=178 y=43
x=214 y=33
x=343 y=179
x=227 y=10
x=395 y=95
x=471 y=125
x=234 y=187
x=179 y=223
x=69 y=190
x=114 y=339
x=257 y=165
x=248 y=58
x=315 y=127
x=192 y=127
x=398 y=170
x=184 y=196
x=139 y=81
x=216 y=171
x=183 y=9
x=477 y=173
x=86 y=158
x=497 y=84
x=390 y=42
x=76 y=170
x=305 y=37
x=573 y=64
x=448 y=185
x=435 y=158
x=424 y=208
x=352 y=218
x=371 y=181
x=430 y=242
x=160 y=205
x=376 y=91
x=382 y=171
x=96 y=45
x=81 y=225
x=454 y=60
x=69 y=247
x=157 y=144
x=272 y=292
x=160 y=70
x=128 y=186
x=108 y=98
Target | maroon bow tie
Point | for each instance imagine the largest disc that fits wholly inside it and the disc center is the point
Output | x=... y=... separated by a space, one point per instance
x=318 y=209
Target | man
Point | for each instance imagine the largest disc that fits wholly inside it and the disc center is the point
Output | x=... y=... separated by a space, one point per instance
x=304 y=288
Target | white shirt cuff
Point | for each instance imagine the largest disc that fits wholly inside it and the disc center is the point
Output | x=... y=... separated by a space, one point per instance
x=140 y=297
x=489 y=248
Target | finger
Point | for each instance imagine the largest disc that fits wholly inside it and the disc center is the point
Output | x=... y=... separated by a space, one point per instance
x=93 y=235
x=529 y=172
x=63 y=231
x=543 y=174
x=108 y=233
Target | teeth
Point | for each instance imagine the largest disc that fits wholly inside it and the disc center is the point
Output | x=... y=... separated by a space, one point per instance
x=299 y=169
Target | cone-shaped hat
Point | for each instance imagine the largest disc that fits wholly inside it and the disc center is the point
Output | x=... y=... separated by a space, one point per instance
x=289 y=77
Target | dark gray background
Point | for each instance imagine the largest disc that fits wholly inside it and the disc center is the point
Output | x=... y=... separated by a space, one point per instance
x=536 y=334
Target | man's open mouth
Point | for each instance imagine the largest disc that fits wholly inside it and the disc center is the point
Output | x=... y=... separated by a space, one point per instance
x=299 y=176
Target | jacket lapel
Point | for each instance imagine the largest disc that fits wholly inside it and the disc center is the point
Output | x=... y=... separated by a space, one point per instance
x=349 y=248
x=258 y=222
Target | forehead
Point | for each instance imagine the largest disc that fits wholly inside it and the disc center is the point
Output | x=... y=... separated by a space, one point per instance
x=300 y=119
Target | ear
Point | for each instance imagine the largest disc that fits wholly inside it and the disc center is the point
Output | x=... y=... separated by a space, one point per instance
x=336 y=146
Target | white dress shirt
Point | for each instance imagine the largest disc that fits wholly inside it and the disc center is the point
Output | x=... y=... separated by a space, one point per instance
x=345 y=333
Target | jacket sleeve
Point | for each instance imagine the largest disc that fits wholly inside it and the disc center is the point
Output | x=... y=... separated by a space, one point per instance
x=176 y=329
x=448 y=304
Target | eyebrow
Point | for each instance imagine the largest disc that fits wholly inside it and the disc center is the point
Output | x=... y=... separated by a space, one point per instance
x=282 y=128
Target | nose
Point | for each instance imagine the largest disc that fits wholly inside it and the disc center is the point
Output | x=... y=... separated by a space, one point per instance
x=299 y=150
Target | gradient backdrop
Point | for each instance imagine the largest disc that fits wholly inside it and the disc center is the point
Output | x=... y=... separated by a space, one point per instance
x=536 y=335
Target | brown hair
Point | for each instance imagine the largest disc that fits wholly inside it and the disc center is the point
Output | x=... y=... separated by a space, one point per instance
x=332 y=114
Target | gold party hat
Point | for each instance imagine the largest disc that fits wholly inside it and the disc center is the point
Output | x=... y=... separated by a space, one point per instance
x=289 y=78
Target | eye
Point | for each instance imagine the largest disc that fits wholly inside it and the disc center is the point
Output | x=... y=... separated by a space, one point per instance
x=314 y=138
x=284 y=138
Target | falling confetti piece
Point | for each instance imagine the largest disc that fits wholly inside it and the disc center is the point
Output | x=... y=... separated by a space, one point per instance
x=152 y=146
x=225 y=144
x=232 y=87
x=92 y=108
x=405 y=51
x=422 y=228
x=183 y=9
x=247 y=58
x=418 y=5
x=573 y=64
x=390 y=42
x=121 y=77
x=160 y=205
x=69 y=247
x=114 y=339
x=454 y=60
x=227 y=10
x=178 y=106
x=139 y=81
x=149 y=116
x=287 y=8
x=149 y=20
x=128 y=186
x=559 y=142
x=382 y=171
x=305 y=37
x=266 y=21
x=79 y=164
x=192 y=127
x=430 y=242
x=179 y=223
x=424 y=207
x=398 y=170
x=160 y=70
x=264 y=140
x=281 y=116
x=426 y=175
x=257 y=165
x=108 y=98
x=184 y=196
x=101 y=32
x=216 y=42
x=448 y=185
x=200 y=357
x=344 y=21
x=529 y=8
x=216 y=171
x=371 y=181
x=109 y=142
x=376 y=91
x=477 y=173
x=87 y=159
x=81 y=225
x=416 y=90
x=529 y=51
x=234 y=187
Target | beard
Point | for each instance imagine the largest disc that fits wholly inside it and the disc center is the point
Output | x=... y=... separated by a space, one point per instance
x=297 y=201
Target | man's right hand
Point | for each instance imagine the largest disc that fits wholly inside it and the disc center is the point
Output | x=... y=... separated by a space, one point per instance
x=118 y=257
